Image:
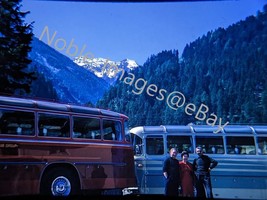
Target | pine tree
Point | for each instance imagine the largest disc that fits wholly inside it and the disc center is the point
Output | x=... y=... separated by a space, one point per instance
x=15 y=39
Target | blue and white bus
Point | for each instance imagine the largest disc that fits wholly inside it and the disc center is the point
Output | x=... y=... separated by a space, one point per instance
x=240 y=150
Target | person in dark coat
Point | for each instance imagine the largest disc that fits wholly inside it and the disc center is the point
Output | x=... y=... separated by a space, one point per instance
x=202 y=167
x=171 y=172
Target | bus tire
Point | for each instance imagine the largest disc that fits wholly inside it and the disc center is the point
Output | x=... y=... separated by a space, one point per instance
x=60 y=182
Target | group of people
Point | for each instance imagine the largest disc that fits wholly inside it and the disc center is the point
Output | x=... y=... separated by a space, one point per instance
x=184 y=178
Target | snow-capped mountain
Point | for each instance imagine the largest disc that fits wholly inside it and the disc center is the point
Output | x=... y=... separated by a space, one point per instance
x=71 y=83
x=107 y=69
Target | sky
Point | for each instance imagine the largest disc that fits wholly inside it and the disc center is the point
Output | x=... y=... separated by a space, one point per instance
x=117 y=31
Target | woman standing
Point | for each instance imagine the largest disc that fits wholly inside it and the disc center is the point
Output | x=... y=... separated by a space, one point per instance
x=187 y=175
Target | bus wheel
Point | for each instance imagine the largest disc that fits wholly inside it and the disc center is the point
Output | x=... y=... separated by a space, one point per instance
x=60 y=182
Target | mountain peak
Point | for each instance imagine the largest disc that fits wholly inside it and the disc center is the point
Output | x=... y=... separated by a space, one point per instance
x=103 y=67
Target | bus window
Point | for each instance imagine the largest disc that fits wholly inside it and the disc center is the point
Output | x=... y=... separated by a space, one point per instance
x=154 y=145
x=211 y=145
x=88 y=128
x=240 y=145
x=52 y=125
x=181 y=143
x=112 y=130
x=262 y=142
x=16 y=122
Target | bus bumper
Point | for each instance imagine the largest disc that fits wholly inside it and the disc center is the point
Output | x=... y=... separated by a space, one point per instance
x=130 y=191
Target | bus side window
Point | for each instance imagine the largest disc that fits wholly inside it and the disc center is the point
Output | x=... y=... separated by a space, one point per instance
x=16 y=122
x=262 y=145
x=52 y=125
x=154 y=145
x=210 y=144
x=88 y=128
x=112 y=130
x=240 y=145
x=182 y=143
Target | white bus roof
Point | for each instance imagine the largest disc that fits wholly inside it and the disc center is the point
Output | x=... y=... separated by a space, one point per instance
x=235 y=129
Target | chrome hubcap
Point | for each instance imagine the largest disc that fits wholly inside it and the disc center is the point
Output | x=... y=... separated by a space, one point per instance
x=61 y=186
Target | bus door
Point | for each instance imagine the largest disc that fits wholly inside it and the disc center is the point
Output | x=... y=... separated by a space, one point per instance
x=153 y=180
x=138 y=159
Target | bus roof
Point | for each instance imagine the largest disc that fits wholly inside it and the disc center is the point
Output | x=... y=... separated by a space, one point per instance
x=234 y=129
x=40 y=104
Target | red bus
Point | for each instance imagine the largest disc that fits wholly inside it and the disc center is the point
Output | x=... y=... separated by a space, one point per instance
x=61 y=149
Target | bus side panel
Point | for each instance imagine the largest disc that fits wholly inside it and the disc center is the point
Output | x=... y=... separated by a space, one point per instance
x=21 y=182
x=98 y=166
x=150 y=176
x=233 y=178
x=239 y=187
x=240 y=178
x=110 y=170
x=19 y=174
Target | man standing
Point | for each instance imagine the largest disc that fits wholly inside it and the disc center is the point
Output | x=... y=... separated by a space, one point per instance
x=171 y=171
x=202 y=167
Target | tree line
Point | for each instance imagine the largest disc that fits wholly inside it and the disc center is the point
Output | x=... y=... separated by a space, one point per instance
x=225 y=69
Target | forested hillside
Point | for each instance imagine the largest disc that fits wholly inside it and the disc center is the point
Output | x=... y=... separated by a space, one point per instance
x=225 y=69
